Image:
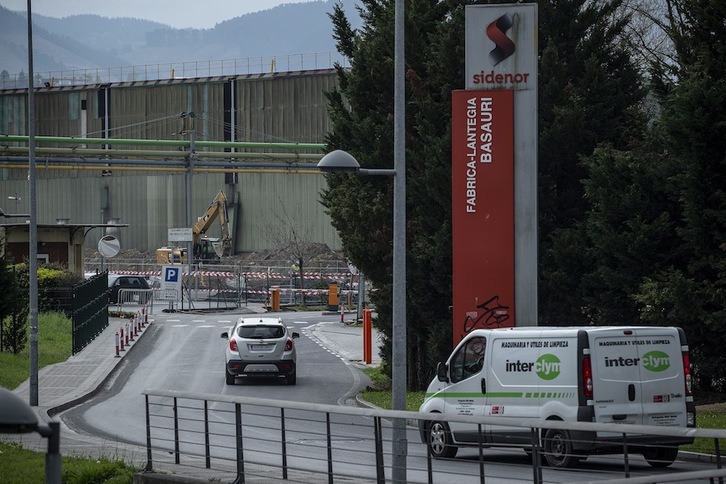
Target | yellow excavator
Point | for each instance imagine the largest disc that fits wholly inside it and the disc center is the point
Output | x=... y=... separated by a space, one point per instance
x=206 y=249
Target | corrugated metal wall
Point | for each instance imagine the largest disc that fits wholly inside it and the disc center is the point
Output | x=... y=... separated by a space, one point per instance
x=275 y=107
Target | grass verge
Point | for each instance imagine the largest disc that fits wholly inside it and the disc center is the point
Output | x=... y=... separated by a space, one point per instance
x=54 y=346
x=708 y=417
x=27 y=466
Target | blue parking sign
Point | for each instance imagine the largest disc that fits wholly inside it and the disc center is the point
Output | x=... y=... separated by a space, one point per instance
x=171 y=274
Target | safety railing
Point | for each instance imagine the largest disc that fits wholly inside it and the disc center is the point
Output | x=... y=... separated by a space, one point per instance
x=224 y=437
x=139 y=297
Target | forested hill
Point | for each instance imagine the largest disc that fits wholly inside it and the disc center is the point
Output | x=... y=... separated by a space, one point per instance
x=91 y=41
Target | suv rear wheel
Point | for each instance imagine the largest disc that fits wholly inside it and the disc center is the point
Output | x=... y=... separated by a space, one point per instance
x=292 y=379
x=228 y=377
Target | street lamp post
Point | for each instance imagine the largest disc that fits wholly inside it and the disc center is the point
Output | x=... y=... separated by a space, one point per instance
x=33 y=228
x=341 y=162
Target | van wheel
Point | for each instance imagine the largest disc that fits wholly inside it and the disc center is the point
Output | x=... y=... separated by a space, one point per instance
x=558 y=449
x=660 y=456
x=440 y=442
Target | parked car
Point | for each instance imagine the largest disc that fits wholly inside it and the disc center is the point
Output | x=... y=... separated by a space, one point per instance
x=260 y=347
x=138 y=288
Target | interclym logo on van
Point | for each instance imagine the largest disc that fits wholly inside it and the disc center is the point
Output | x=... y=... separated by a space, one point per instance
x=652 y=361
x=656 y=361
x=547 y=366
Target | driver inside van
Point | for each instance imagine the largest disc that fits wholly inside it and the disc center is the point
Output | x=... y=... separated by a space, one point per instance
x=469 y=360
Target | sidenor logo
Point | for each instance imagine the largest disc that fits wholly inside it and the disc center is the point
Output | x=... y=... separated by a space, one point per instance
x=497 y=32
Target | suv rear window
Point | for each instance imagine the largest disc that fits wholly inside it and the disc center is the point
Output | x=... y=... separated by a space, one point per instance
x=260 y=332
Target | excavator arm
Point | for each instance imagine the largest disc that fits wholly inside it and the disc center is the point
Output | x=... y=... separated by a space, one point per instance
x=218 y=208
x=200 y=244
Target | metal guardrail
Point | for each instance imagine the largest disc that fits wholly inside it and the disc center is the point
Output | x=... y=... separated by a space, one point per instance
x=225 y=437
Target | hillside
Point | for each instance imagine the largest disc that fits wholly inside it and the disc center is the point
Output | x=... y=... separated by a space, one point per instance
x=90 y=41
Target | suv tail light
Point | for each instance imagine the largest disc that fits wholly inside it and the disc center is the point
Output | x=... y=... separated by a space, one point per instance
x=587 y=377
x=289 y=344
x=233 y=345
x=687 y=373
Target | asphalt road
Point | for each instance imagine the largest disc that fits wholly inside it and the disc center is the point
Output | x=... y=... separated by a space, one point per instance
x=185 y=352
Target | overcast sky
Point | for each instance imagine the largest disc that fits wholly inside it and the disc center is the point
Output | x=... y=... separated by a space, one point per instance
x=177 y=13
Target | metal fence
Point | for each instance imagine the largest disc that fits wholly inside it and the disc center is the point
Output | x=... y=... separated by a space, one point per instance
x=223 y=437
x=221 y=286
x=89 y=310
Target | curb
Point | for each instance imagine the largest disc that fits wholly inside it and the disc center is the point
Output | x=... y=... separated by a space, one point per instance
x=50 y=412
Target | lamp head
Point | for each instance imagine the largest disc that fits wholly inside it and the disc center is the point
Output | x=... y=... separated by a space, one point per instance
x=16 y=416
x=338 y=161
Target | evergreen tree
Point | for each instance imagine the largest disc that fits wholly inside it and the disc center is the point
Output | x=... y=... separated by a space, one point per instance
x=13 y=310
x=590 y=90
x=630 y=230
x=361 y=207
x=692 y=130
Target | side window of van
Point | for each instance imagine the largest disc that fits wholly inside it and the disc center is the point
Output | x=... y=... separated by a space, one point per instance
x=469 y=360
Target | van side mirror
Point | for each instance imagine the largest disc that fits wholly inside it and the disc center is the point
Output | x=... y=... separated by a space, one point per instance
x=225 y=335
x=295 y=334
x=442 y=372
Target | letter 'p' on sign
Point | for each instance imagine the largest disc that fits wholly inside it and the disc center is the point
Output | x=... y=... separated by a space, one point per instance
x=171 y=275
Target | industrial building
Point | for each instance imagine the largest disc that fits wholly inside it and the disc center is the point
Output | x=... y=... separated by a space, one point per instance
x=272 y=127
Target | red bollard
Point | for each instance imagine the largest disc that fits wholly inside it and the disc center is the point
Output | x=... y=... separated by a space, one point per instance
x=367 y=336
x=127 y=333
x=135 y=322
x=117 y=350
x=143 y=320
x=131 y=329
x=146 y=317
x=122 y=338
x=341 y=311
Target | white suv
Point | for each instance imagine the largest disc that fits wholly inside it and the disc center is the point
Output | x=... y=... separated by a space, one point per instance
x=260 y=347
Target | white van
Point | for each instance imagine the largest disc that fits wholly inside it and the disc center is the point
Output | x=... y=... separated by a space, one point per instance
x=621 y=375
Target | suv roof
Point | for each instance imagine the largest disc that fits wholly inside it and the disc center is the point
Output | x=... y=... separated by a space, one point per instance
x=263 y=320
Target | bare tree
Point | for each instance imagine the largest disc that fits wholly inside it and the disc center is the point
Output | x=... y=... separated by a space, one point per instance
x=287 y=234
